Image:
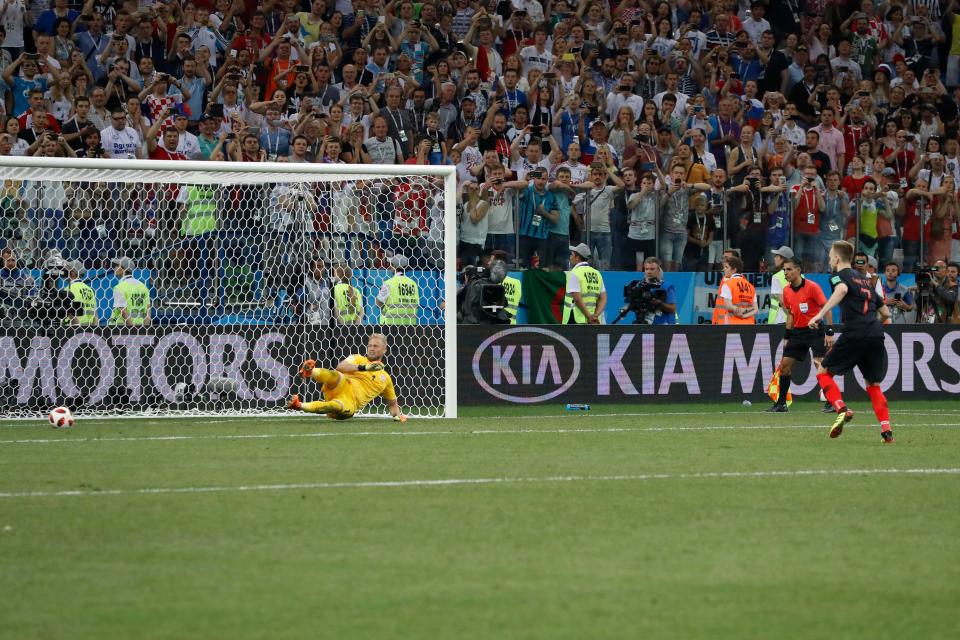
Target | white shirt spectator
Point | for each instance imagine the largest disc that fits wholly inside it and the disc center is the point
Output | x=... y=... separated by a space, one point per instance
x=698 y=42
x=578 y=171
x=124 y=143
x=852 y=66
x=500 y=213
x=533 y=59
x=522 y=167
x=533 y=8
x=13 y=23
x=189 y=146
x=755 y=28
x=616 y=99
x=383 y=151
x=680 y=110
x=707 y=159
x=794 y=133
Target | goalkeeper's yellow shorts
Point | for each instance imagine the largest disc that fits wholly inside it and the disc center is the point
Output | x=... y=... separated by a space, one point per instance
x=342 y=393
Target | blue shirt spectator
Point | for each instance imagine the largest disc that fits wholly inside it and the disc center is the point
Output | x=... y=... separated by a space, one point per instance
x=46 y=20
x=532 y=223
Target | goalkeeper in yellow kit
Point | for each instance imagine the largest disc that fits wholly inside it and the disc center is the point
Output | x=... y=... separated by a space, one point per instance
x=352 y=385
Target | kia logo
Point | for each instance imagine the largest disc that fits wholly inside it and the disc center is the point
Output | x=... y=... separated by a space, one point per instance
x=526 y=358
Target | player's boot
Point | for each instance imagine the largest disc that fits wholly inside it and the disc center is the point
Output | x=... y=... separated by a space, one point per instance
x=294 y=402
x=777 y=408
x=307 y=368
x=887 y=436
x=827 y=408
x=844 y=416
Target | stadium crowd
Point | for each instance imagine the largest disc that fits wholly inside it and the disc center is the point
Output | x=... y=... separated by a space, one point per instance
x=638 y=128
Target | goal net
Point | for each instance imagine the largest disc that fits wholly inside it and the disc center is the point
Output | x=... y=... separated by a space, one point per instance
x=198 y=288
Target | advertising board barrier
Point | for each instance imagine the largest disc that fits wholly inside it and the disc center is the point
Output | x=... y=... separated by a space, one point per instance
x=220 y=369
x=629 y=363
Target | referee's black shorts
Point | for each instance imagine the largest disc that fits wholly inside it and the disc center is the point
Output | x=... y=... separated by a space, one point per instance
x=802 y=341
x=867 y=353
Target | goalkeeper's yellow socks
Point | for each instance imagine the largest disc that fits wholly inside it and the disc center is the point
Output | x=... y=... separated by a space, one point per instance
x=323 y=376
x=322 y=406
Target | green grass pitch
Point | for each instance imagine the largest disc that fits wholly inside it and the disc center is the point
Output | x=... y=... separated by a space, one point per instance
x=644 y=521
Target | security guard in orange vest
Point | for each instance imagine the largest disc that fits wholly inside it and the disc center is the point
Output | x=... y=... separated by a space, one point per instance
x=723 y=280
x=738 y=297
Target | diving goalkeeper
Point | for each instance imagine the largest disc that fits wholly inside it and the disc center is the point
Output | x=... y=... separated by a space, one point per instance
x=352 y=385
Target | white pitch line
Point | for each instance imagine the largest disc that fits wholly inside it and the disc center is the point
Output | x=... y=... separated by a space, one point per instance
x=480 y=481
x=474 y=432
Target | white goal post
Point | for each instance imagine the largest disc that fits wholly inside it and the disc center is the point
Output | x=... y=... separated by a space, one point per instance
x=248 y=269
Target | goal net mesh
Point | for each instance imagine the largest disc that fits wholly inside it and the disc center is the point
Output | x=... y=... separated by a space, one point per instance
x=245 y=273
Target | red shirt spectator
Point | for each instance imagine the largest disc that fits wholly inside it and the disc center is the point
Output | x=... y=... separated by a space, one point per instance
x=26 y=121
x=806 y=210
x=410 y=214
x=853 y=135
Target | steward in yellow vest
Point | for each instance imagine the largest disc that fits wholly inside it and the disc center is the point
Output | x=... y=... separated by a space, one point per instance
x=778 y=282
x=347 y=300
x=586 y=296
x=131 y=298
x=399 y=297
x=200 y=216
x=82 y=294
x=513 y=290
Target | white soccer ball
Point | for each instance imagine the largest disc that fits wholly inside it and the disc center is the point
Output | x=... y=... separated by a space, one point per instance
x=61 y=418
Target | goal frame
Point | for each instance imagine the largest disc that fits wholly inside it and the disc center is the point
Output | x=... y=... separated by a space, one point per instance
x=61 y=166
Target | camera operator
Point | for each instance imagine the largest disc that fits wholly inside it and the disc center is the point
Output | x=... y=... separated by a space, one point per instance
x=482 y=299
x=586 y=295
x=53 y=306
x=946 y=290
x=663 y=304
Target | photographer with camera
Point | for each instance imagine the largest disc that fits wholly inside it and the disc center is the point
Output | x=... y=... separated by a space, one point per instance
x=946 y=293
x=652 y=301
x=586 y=296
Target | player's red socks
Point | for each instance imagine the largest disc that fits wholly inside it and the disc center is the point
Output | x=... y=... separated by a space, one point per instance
x=831 y=391
x=879 y=406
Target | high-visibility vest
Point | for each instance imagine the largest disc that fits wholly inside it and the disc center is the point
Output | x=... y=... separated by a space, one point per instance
x=83 y=294
x=744 y=295
x=718 y=313
x=137 y=297
x=591 y=283
x=348 y=301
x=201 y=214
x=403 y=300
x=513 y=290
x=774 y=303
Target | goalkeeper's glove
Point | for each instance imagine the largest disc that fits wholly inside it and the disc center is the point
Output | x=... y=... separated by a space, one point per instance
x=400 y=418
x=373 y=366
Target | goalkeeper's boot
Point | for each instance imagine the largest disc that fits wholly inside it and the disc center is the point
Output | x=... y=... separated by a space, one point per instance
x=844 y=416
x=887 y=436
x=295 y=403
x=777 y=408
x=306 y=369
x=827 y=408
